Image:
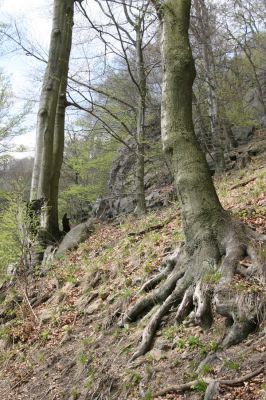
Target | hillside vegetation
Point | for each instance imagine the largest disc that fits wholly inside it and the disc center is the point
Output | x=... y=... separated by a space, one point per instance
x=60 y=336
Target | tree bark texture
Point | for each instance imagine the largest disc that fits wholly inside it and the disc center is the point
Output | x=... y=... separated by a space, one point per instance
x=142 y=90
x=51 y=115
x=198 y=198
x=199 y=274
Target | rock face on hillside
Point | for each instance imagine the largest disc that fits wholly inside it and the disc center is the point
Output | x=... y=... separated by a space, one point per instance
x=121 y=197
x=122 y=175
x=243 y=134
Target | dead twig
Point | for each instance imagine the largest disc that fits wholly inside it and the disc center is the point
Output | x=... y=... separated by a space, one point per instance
x=26 y=298
x=23 y=380
x=242 y=379
x=46 y=393
x=241 y=184
x=154 y=227
x=190 y=385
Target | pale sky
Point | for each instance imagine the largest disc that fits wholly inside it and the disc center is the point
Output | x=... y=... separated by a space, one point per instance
x=34 y=16
x=35 y=13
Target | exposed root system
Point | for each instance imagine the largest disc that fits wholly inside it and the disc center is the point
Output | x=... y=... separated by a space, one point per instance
x=214 y=278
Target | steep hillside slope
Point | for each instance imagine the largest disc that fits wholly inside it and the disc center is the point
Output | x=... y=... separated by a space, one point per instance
x=60 y=336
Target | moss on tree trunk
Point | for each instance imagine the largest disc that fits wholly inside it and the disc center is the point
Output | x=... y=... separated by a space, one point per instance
x=199 y=202
x=200 y=275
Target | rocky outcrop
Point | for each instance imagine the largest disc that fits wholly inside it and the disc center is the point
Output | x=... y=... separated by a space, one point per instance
x=121 y=174
x=108 y=208
x=243 y=133
x=76 y=236
x=121 y=197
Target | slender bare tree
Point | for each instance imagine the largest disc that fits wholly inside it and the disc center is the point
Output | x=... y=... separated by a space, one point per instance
x=243 y=21
x=204 y=32
x=129 y=38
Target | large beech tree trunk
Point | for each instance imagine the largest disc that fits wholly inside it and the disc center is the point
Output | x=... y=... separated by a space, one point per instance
x=198 y=278
x=199 y=202
x=51 y=116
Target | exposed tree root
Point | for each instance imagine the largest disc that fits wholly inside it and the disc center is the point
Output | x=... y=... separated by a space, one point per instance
x=213 y=385
x=177 y=389
x=212 y=279
x=202 y=301
x=186 y=305
x=212 y=391
x=154 y=322
x=170 y=263
x=144 y=304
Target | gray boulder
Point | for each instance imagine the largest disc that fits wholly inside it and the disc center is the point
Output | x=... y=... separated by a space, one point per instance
x=126 y=205
x=263 y=122
x=107 y=209
x=75 y=236
x=155 y=199
x=243 y=133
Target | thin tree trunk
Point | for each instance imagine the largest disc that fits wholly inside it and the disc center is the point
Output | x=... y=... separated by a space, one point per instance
x=229 y=136
x=209 y=63
x=203 y=136
x=142 y=89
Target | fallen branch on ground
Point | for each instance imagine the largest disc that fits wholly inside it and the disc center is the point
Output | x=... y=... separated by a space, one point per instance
x=154 y=227
x=241 y=184
x=190 y=385
x=242 y=379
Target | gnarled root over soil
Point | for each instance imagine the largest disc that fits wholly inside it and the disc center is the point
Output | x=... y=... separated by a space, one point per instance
x=224 y=274
x=212 y=390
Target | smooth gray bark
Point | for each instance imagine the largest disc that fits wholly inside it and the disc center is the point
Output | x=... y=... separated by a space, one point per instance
x=59 y=128
x=50 y=121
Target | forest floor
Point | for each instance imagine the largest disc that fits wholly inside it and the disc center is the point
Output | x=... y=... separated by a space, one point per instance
x=60 y=339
